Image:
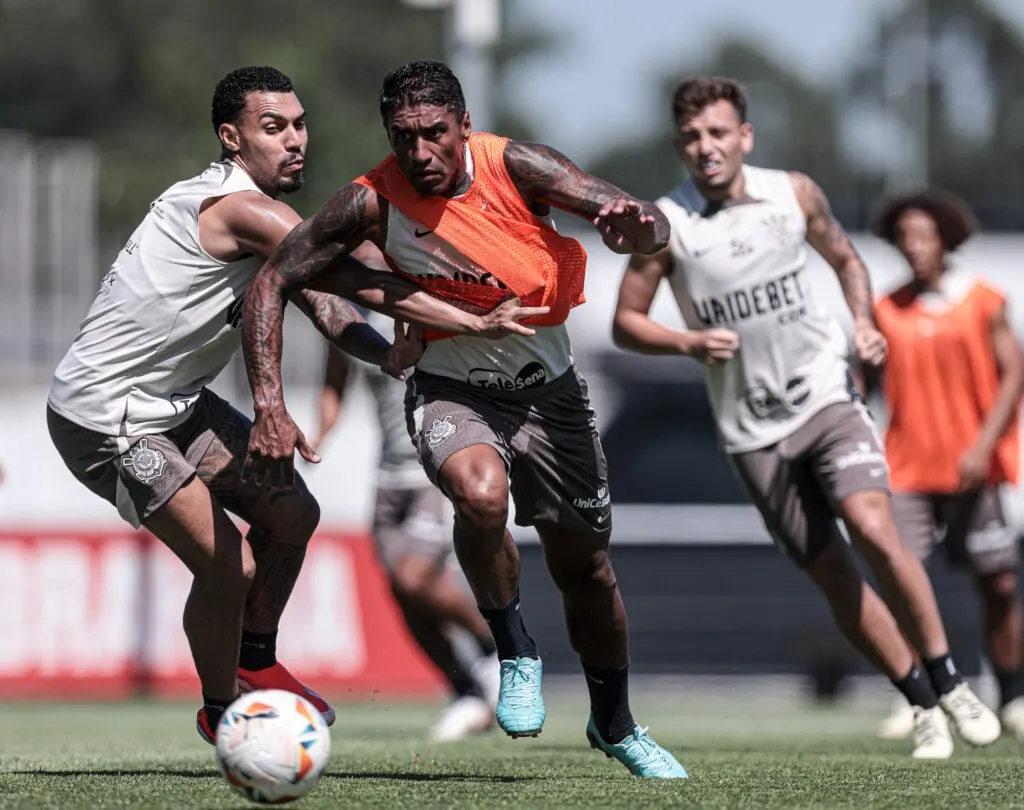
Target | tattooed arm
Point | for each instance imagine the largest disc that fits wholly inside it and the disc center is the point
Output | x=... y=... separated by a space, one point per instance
x=827 y=237
x=546 y=177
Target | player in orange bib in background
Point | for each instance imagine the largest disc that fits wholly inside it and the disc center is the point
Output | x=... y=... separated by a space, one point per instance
x=468 y=218
x=952 y=383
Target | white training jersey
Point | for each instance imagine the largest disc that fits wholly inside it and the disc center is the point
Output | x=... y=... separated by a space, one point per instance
x=512 y=363
x=165 y=322
x=742 y=267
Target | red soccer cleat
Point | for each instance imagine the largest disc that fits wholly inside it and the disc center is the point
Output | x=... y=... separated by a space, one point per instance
x=277 y=677
x=203 y=727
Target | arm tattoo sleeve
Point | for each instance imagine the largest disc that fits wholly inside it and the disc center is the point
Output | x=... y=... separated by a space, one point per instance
x=338 y=321
x=544 y=175
x=337 y=228
x=827 y=236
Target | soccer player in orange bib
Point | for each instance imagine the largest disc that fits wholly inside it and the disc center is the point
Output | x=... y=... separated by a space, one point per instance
x=468 y=218
x=952 y=383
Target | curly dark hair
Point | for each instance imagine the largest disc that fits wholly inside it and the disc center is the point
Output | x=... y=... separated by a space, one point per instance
x=694 y=94
x=423 y=82
x=953 y=217
x=231 y=91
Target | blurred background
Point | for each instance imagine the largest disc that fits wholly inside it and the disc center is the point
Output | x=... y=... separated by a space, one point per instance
x=104 y=103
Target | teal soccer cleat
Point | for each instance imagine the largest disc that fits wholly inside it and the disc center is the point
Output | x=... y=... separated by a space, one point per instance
x=520 y=709
x=639 y=753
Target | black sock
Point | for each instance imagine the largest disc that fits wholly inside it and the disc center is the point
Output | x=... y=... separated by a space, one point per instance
x=1011 y=684
x=259 y=650
x=464 y=684
x=609 y=702
x=944 y=675
x=917 y=690
x=486 y=645
x=510 y=637
x=215 y=710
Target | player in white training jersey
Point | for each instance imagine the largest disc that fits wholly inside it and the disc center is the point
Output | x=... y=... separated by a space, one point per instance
x=129 y=412
x=801 y=442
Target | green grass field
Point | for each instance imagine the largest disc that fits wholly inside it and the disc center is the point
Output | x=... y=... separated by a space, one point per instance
x=744 y=748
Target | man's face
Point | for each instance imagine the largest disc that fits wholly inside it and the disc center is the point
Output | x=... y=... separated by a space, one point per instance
x=429 y=144
x=918 y=239
x=270 y=138
x=712 y=144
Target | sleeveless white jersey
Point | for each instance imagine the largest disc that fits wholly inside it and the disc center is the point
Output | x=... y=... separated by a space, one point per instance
x=165 y=322
x=513 y=363
x=743 y=268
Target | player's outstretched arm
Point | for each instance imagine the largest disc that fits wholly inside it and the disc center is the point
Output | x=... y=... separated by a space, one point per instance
x=547 y=177
x=827 y=237
x=635 y=330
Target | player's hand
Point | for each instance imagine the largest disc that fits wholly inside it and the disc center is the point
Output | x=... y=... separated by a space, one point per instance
x=973 y=468
x=505 y=319
x=270 y=461
x=870 y=344
x=405 y=351
x=712 y=346
x=625 y=227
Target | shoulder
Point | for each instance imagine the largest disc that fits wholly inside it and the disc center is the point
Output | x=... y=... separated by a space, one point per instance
x=251 y=210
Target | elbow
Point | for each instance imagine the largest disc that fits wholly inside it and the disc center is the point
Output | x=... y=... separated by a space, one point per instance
x=620 y=334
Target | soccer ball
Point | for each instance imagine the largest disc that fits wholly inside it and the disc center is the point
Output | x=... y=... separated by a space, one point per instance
x=272 y=746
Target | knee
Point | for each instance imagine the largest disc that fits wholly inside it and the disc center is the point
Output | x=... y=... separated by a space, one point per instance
x=1000 y=588
x=230 y=575
x=307 y=520
x=410 y=580
x=480 y=499
x=871 y=524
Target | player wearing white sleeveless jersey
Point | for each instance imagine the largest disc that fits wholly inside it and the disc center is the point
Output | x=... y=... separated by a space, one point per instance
x=129 y=412
x=799 y=438
x=466 y=215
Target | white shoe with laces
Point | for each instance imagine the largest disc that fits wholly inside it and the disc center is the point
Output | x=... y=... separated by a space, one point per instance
x=932 y=739
x=486 y=670
x=973 y=720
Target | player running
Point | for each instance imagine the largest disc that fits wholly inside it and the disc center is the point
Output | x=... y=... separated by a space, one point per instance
x=801 y=442
x=130 y=414
x=952 y=383
x=412 y=534
x=468 y=218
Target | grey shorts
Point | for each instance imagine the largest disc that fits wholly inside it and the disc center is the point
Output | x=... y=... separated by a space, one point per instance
x=972 y=524
x=798 y=483
x=412 y=522
x=139 y=474
x=546 y=435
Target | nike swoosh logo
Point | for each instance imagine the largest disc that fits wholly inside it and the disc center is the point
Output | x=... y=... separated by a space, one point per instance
x=420 y=235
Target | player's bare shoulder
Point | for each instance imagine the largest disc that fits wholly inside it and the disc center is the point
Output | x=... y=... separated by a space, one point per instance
x=808 y=193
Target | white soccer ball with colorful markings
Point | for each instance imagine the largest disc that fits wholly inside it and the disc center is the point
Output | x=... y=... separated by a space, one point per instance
x=272 y=746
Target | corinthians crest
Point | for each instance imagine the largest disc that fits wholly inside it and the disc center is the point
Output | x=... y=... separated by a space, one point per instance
x=144 y=462
x=440 y=431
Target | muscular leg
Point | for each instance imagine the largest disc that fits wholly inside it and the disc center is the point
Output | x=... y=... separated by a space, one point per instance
x=902 y=580
x=1004 y=630
x=198 y=530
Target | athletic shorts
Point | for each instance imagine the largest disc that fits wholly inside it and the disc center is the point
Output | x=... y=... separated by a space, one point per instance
x=412 y=522
x=139 y=474
x=798 y=483
x=974 y=530
x=547 y=437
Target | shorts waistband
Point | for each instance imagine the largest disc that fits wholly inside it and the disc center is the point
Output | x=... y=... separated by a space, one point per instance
x=569 y=377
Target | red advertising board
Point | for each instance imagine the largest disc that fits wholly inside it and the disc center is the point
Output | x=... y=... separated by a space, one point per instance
x=86 y=614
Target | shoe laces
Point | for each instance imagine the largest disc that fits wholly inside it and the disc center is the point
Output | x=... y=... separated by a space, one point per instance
x=963 y=701
x=642 y=748
x=926 y=727
x=519 y=682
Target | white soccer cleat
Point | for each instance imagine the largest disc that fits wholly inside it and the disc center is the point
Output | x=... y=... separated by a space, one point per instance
x=1012 y=715
x=973 y=720
x=487 y=673
x=899 y=725
x=932 y=739
x=462 y=718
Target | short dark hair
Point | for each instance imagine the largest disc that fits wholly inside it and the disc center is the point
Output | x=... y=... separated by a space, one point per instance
x=954 y=219
x=694 y=94
x=231 y=91
x=423 y=82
